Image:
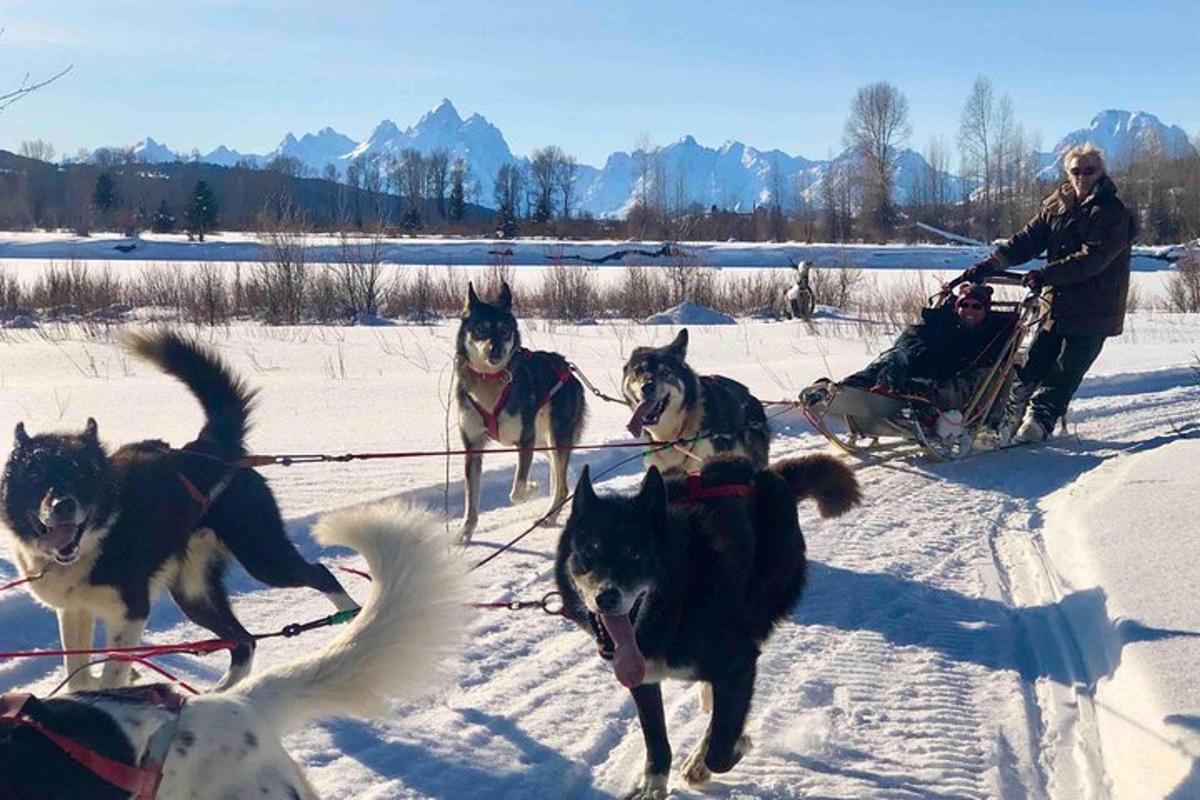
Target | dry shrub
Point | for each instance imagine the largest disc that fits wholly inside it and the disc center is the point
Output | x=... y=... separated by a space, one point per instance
x=837 y=286
x=496 y=275
x=207 y=297
x=1183 y=287
x=642 y=291
x=1133 y=299
x=569 y=293
x=73 y=289
x=11 y=296
x=756 y=291
x=420 y=296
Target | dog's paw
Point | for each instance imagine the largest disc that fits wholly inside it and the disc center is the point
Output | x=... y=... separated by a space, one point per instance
x=693 y=769
x=696 y=772
x=466 y=532
x=522 y=492
x=651 y=787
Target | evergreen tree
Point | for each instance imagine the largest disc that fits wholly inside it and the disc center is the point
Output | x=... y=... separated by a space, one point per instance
x=201 y=210
x=104 y=196
x=163 y=220
x=458 y=192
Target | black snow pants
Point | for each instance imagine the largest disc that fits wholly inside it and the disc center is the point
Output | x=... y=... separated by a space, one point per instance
x=1051 y=374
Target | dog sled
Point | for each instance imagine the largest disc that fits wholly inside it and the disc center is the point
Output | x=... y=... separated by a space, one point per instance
x=886 y=424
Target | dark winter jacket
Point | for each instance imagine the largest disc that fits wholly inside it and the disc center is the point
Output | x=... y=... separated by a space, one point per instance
x=1087 y=257
x=940 y=346
x=936 y=349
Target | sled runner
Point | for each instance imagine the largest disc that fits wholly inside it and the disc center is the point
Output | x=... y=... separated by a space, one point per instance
x=875 y=423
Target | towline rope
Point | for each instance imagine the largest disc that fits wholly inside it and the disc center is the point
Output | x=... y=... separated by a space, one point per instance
x=21 y=581
x=195 y=648
x=288 y=459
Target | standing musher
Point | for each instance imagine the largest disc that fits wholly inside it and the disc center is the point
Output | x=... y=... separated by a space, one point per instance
x=1087 y=233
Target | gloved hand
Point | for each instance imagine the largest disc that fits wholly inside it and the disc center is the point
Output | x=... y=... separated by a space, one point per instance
x=1034 y=280
x=979 y=270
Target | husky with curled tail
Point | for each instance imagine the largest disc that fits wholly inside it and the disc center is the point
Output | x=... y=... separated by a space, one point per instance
x=228 y=745
x=107 y=532
x=687 y=580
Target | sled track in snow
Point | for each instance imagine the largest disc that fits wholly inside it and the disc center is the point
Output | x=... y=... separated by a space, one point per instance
x=927 y=660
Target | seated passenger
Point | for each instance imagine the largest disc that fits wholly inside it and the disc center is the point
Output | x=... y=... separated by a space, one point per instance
x=940 y=358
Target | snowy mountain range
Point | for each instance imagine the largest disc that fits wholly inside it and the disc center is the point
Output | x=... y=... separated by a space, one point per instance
x=734 y=175
x=1121 y=135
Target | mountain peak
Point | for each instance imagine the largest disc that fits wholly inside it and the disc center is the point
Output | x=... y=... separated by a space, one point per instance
x=445 y=109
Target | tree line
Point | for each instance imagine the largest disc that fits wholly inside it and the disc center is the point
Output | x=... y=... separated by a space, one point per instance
x=1001 y=178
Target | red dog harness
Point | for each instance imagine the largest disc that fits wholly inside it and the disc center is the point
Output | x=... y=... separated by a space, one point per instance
x=697 y=493
x=492 y=418
x=140 y=781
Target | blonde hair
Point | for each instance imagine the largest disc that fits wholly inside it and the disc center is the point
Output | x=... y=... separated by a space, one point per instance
x=1087 y=150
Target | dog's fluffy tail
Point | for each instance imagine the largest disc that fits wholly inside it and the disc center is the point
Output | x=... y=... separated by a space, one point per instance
x=412 y=620
x=822 y=478
x=226 y=399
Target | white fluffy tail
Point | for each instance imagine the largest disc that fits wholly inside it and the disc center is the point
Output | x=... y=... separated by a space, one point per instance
x=412 y=620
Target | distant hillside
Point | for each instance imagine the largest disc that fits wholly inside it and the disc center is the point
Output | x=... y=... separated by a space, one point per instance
x=36 y=193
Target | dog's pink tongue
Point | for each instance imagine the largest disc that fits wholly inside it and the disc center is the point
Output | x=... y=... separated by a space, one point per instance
x=636 y=422
x=628 y=662
x=58 y=536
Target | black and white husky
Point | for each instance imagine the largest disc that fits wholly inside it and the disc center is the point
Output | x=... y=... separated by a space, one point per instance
x=227 y=745
x=107 y=533
x=513 y=396
x=671 y=402
x=687 y=580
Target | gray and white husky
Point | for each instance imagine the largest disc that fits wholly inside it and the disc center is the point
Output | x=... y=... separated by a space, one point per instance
x=512 y=396
x=671 y=402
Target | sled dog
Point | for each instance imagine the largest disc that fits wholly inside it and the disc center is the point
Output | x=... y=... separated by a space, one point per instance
x=513 y=396
x=671 y=402
x=106 y=533
x=227 y=745
x=687 y=580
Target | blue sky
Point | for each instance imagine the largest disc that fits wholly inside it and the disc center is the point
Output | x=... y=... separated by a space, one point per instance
x=591 y=77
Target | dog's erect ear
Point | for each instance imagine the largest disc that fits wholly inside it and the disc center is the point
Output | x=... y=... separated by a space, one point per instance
x=584 y=494
x=91 y=431
x=20 y=437
x=504 y=299
x=652 y=498
x=472 y=298
x=678 y=348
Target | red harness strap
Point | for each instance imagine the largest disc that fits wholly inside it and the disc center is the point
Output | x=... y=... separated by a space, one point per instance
x=698 y=493
x=141 y=782
x=492 y=418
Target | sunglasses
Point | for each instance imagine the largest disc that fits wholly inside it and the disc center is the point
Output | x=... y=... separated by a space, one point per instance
x=1088 y=171
x=970 y=304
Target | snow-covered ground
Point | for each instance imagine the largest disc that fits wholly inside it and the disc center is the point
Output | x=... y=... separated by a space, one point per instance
x=1017 y=625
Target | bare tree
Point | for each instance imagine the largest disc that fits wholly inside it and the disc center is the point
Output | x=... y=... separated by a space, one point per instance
x=508 y=188
x=38 y=149
x=568 y=169
x=458 y=193
x=649 y=191
x=414 y=174
x=439 y=173
x=543 y=180
x=930 y=195
x=877 y=126
x=976 y=140
x=28 y=84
